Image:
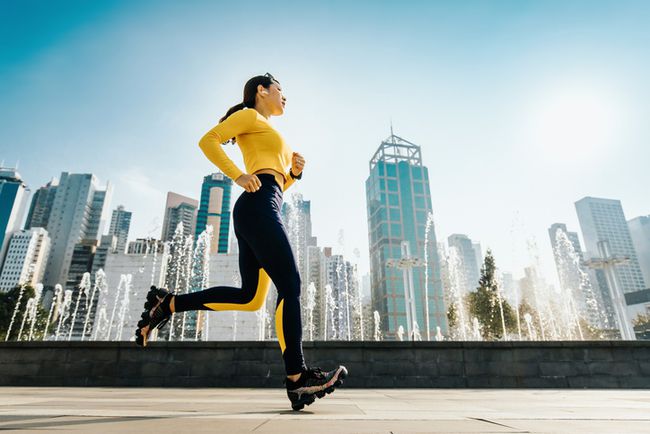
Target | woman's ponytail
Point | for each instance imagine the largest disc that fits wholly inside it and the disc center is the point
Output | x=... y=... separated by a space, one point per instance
x=230 y=111
x=250 y=92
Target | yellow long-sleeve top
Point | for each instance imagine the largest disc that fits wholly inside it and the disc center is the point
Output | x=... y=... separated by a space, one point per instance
x=261 y=145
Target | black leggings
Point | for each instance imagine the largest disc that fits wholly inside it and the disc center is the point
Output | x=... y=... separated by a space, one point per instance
x=263 y=248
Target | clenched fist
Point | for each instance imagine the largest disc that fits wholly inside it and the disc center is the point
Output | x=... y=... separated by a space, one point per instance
x=250 y=183
x=297 y=164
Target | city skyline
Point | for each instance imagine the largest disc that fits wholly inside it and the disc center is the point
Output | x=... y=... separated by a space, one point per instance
x=475 y=105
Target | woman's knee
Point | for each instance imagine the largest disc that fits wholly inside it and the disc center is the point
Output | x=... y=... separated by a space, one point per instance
x=291 y=288
x=255 y=293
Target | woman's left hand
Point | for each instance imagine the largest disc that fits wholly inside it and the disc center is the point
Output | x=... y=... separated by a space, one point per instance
x=297 y=163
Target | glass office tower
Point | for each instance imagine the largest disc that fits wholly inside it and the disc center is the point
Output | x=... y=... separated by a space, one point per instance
x=399 y=207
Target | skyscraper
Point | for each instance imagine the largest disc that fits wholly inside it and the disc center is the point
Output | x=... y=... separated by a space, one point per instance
x=467 y=255
x=399 y=205
x=78 y=213
x=340 y=318
x=214 y=210
x=41 y=206
x=640 y=233
x=609 y=250
x=26 y=258
x=479 y=255
x=120 y=224
x=179 y=209
x=296 y=216
x=13 y=199
x=604 y=220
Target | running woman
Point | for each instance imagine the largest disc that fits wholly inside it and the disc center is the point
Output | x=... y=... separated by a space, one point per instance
x=265 y=254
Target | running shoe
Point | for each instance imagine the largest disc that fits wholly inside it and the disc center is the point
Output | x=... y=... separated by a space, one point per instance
x=313 y=383
x=155 y=315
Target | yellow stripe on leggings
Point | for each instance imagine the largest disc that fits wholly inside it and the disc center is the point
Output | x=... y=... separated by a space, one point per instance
x=263 y=284
x=278 y=325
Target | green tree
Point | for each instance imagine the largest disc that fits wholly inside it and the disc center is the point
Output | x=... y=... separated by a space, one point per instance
x=452 y=317
x=484 y=303
x=642 y=326
x=8 y=302
x=525 y=308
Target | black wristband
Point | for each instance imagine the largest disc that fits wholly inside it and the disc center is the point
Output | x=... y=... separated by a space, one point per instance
x=294 y=176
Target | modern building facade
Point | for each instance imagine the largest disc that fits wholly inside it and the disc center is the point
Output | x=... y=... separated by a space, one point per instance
x=603 y=220
x=145 y=246
x=214 y=210
x=13 y=200
x=41 y=206
x=145 y=270
x=296 y=216
x=120 y=224
x=83 y=256
x=399 y=206
x=610 y=252
x=341 y=301
x=640 y=233
x=179 y=209
x=467 y=255
x=128 y=278
x=78 y=213
x=314 y=304
x=26 y=258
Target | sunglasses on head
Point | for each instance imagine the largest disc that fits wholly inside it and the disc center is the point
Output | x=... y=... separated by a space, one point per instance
x=271 y=77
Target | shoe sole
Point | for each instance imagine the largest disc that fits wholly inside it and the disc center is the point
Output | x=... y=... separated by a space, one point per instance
x=310 y=398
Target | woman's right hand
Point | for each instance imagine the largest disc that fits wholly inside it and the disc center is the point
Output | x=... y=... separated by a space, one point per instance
x=250 y=183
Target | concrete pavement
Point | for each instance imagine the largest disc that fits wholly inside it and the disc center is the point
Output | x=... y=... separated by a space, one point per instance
x=153 y=410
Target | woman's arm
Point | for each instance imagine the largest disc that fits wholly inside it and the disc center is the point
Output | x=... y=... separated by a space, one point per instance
x=236 y=124
x=289 y=181
x=297 y=166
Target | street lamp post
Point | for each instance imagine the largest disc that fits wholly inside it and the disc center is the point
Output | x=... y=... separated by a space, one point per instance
x=608 y=263
x=406 y=264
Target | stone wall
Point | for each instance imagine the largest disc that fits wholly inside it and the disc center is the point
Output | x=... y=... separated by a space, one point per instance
x=371 y=364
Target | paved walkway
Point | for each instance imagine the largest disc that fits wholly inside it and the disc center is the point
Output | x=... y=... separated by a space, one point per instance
x=122 y=410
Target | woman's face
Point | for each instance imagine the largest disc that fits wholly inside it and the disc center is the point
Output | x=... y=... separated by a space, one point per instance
x=275 y=101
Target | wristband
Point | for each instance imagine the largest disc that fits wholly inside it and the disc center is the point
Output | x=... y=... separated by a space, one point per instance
x=294 y=176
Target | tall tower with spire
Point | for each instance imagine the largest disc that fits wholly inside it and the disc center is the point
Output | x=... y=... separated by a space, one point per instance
x=398 y=202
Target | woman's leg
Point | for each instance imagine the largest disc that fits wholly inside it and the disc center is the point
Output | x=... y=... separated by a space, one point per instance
x=268 y=238
x=264 y=252
x=250 y=297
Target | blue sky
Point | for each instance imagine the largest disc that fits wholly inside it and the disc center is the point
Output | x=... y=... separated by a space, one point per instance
x=521 y=108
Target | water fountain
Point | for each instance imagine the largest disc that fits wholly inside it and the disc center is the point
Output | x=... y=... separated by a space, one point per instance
x=557 y=313
x=311 y=304
x=476 y=330
x=439 y=337
x=38 y=291
x=576 y=283
x=63 y=311
x=56 y=299
x=377 y=333
x=453 y=283
x=16 y=309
